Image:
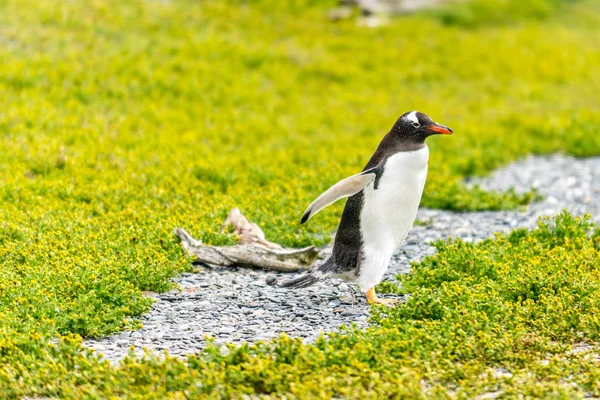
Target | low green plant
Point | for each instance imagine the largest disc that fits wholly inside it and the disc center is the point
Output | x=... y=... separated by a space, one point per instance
x=516 y=315
x=477 y=13
x=124 y=119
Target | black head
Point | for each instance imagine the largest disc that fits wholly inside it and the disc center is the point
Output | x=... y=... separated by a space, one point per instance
x=415 y=126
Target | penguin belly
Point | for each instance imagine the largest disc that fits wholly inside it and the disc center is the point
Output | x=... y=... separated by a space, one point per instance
x=388 y=213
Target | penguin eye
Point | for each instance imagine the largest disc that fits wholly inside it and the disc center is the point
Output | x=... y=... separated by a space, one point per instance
x=416 y=124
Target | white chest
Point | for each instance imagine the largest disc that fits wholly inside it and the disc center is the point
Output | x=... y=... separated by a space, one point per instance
x=390 y=210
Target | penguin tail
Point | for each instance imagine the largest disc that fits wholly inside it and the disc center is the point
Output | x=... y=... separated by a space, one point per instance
x=303 y=281
x=315 y=275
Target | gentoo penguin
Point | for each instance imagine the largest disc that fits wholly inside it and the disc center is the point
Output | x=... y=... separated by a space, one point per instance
x=382 y=207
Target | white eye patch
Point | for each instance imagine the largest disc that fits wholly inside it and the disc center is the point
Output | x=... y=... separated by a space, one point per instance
x=412 y=118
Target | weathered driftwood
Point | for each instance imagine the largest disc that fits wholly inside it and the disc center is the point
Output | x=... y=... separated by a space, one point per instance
x=248 y=232
x=254 y=250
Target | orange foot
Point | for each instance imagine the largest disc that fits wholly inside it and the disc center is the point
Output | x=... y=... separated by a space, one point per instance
x=373 y=299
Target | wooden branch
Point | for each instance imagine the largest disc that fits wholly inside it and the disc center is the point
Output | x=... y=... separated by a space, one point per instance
x=248 y=232
x=254 y=250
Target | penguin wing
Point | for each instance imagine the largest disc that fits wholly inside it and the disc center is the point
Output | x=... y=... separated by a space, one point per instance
x=344 y=188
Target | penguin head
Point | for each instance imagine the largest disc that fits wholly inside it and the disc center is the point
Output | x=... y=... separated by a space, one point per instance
x=417 y=126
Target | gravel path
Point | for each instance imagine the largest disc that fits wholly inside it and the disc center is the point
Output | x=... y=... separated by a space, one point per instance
x=237 y=305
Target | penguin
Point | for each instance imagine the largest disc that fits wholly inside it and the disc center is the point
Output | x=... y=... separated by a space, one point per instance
x=381 y=208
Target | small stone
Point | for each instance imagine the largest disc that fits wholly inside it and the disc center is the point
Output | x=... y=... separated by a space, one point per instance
x=347 y=299
x=343 y=287
x=273 y=299
x=271 y=280
x=264 y=337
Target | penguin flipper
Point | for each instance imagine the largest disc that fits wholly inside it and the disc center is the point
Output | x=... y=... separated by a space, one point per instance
x=344 y=188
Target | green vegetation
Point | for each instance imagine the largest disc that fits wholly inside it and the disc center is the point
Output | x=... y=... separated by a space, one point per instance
x=476 y=13
x=506 y=315
x=124 y=119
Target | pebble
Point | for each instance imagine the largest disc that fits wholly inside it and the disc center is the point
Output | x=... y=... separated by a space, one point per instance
x=271 y=280
x=237 y=305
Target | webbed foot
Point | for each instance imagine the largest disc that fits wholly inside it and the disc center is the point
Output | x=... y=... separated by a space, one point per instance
x=373 y=299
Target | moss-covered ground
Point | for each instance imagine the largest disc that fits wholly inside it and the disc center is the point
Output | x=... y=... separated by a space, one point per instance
x=123 y=119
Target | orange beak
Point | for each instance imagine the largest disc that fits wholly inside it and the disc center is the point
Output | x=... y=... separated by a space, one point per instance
x=437 y=128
